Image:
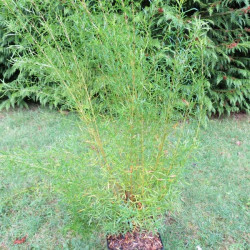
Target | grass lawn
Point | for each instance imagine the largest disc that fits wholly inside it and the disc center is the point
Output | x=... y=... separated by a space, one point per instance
x=213 y=211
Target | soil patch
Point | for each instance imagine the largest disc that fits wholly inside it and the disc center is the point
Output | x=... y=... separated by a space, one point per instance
x=238 y=116
x=140 y=241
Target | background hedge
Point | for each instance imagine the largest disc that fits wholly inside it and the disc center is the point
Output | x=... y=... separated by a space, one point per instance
x=227 y=56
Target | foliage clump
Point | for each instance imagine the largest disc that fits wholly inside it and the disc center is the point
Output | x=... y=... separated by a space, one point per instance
x=226 y=60
x=228 y=55
x=126 y=83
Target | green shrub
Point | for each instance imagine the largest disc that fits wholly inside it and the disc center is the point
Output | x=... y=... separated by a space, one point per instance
x=227 y=56
x=28 y=84
x=135 y=96
x=19 y=82
x=5 y=53
x=8 y=73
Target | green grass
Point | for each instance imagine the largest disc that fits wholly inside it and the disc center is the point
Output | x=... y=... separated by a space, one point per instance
x=212 y=212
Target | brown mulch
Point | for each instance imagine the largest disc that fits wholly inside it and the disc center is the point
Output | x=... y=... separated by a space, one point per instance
x=135 y=240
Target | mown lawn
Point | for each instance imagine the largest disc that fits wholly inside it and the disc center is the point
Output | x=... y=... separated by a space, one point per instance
x=212 y=213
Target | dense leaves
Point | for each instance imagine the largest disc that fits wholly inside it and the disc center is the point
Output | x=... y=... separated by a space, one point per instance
x=135 y=93
x=226 y=57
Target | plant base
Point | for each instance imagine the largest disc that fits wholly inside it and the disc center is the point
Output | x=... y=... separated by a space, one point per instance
x=135 y=240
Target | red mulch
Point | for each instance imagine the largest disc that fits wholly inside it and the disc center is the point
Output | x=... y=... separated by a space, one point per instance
x=140 y=241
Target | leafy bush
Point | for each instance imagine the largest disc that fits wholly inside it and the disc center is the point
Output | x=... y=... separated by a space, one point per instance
x=19 y=82
x=7 y=72
x=134 y=94
x=227 y=56
x=5 y=53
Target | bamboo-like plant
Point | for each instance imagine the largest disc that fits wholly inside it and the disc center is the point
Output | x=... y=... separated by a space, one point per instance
x=140 y=100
